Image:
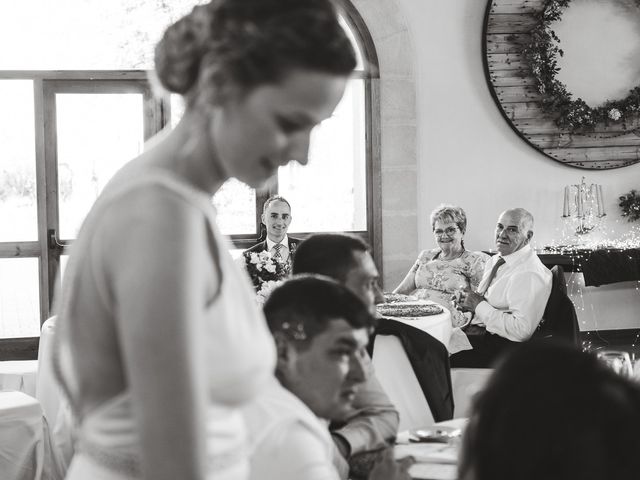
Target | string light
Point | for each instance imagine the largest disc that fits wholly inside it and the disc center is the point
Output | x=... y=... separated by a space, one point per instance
x=578 y=249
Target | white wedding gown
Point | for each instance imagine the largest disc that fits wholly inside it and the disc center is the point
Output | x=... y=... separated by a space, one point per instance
x=239 y=349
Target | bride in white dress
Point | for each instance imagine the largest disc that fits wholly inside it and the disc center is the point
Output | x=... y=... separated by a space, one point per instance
x=159 y=340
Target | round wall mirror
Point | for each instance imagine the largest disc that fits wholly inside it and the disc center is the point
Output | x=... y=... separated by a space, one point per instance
x=566 y=76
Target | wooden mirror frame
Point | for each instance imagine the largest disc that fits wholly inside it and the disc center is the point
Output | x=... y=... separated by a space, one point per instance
x=506 y=33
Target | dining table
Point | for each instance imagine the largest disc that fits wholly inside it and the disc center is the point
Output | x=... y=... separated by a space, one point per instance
x=395 y=373
x=19 y=375
x=437 y=325
x=26 y=450
x=434 y=460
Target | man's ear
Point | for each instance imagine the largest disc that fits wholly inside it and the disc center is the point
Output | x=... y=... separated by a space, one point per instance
x=285 y=352
x=263 y=220
x=226 y=90
x=529 y=235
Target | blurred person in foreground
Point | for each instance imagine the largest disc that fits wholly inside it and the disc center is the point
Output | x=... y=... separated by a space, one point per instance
x=373 y=422
x=152 y=348
x=510 y=300
x=439 y=272
x=321 y=330
x=553 y=412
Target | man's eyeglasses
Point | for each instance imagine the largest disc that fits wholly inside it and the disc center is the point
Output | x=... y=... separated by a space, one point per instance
x=449 y=231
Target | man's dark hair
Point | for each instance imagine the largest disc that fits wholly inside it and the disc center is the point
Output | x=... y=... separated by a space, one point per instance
x=303 y=306
x=329 y=254
x=573 y=417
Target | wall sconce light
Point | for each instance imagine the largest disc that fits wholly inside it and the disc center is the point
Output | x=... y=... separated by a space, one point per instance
x=584 y=205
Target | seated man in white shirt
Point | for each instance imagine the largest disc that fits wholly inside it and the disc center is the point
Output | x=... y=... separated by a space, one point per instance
x=276 y=217
x=373 y=422
x=511 y=297
x=321 y=330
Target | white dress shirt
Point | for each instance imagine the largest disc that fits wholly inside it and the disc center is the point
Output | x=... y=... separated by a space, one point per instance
x=287 y=440
x=517 y=296
x=284 y=252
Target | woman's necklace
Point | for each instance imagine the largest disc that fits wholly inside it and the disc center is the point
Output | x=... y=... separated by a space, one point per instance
x=454 y=256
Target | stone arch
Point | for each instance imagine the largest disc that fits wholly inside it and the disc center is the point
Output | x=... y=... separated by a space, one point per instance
x=398 y=170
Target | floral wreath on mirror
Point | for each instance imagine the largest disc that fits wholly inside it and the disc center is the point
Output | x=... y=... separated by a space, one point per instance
x=573 y=115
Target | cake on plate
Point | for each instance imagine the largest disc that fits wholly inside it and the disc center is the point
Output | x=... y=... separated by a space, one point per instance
x=409 y=309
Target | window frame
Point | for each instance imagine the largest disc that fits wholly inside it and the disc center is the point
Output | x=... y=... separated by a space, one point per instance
x=48 y=248
x=156 y=115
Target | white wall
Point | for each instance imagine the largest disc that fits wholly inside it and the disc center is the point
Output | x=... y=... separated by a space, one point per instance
x=468 y=155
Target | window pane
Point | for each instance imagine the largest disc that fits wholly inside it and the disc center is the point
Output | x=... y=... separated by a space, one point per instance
x=85 y=34
x=88 y=34
x=235 y=202
x=236 y=253
x=97 y=134
x=177 y=109
x=18 y=213
x=19 y=298
x=236 y=206
x=329 y=194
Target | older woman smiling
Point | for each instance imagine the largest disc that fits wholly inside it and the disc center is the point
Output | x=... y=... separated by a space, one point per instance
x=437 y=273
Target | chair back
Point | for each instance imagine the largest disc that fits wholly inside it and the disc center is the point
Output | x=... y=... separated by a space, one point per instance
x=559 y=319
x=47 y=390
x=398 y=380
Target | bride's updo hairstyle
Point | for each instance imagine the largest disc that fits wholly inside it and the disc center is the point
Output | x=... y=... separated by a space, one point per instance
x=246 y=43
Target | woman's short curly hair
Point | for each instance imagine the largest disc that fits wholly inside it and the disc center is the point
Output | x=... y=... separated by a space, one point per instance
x=449 y=213
x=247 y=43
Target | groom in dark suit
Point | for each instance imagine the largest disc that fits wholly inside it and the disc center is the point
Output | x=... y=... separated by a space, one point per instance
x=276 y=217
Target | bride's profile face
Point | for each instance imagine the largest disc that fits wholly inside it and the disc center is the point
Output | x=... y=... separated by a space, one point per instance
x=447 y=235
x=257 y=131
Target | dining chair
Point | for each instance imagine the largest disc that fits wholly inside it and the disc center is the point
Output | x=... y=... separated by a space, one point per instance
x=398 y=380
x=467 y=382
x=47 y=391
x=559 y=319
x=56 y=408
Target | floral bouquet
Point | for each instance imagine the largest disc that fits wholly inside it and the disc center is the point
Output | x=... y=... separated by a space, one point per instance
x=630 y=205
x=266 y=289
x=265 y=271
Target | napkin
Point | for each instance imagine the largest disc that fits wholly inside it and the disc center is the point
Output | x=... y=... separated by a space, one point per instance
x=458 y=341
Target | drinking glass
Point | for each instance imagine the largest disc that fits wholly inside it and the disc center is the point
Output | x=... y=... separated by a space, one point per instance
x=617 y=360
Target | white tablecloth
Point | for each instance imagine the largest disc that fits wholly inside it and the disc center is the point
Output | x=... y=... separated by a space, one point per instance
x=19 y=375
x=434 y=461
x=438 y=326
x=25 y=446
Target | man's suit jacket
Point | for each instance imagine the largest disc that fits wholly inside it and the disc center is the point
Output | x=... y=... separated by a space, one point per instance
x=430 y=361
x=262 y=246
